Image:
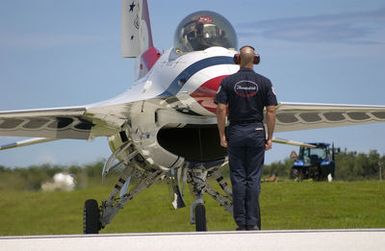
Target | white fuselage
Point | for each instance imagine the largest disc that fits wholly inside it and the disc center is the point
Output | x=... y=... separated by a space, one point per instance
x=178 y=91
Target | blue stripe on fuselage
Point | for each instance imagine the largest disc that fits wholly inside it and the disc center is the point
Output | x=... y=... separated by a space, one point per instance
x=187 y=73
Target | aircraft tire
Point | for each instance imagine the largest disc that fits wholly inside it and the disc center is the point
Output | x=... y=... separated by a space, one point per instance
x=200 y=218
x=91 y=214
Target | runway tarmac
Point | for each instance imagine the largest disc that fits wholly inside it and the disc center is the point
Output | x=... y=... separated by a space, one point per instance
x=330 y=240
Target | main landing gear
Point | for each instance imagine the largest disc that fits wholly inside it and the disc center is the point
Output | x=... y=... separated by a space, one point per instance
x=91 y=217
x=96 y=217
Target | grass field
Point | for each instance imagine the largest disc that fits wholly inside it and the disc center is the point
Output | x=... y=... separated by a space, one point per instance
x=285 y=205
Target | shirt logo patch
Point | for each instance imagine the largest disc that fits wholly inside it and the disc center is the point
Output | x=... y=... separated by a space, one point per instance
x=246 y=88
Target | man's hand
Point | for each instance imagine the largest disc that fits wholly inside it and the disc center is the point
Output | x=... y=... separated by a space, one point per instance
x=270 y=121
x=224 y=141
x=268 y=144
x=221 y=118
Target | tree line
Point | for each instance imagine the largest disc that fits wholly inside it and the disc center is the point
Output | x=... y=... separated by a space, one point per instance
x=349 y=166
x=30 y=178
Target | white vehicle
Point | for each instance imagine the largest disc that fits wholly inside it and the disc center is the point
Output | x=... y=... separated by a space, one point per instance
x=164 y=125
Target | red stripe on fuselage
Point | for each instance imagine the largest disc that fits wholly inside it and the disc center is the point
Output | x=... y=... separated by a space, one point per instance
x=150 y=57
x=205 y=94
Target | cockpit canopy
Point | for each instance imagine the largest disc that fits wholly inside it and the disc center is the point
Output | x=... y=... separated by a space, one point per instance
x=202 y=30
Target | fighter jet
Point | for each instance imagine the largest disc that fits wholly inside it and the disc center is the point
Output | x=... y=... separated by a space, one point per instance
x=164 y=126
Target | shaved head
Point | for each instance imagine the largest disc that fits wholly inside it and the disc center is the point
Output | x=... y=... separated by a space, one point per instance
x=247 y=54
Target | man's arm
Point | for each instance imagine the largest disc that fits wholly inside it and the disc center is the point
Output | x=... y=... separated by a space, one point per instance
x=270 y=121
x=221 y=118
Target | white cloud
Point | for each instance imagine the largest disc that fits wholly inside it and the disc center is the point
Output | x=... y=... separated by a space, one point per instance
x=366 y=27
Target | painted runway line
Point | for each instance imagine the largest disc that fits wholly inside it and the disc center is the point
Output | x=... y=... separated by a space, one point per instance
x=330 y=240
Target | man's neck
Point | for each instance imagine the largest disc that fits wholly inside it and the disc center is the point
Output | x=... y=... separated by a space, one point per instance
x=248 y=66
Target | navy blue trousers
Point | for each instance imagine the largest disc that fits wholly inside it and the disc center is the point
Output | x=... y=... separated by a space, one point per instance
x=246 y=150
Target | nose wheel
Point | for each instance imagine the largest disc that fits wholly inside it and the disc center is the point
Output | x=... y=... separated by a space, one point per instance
x=91 y=217
x=200 y=218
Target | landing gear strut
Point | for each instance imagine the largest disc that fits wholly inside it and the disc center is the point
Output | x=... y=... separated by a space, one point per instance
x=96 y=217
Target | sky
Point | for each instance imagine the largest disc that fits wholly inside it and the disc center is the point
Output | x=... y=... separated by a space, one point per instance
x=63 y=53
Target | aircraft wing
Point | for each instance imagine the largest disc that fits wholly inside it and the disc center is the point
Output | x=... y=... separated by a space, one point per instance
x=54 y=123
x=86 y=122
x=300 y=116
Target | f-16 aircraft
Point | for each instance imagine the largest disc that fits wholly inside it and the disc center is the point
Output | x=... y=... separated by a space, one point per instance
x=164 y=126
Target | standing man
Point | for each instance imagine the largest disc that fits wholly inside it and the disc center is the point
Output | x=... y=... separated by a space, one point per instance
x=246 y=94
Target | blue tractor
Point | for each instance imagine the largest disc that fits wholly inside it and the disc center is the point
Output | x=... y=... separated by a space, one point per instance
x=316 y=163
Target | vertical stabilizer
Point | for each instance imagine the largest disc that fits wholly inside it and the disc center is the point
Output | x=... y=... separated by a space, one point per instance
x=136 y=28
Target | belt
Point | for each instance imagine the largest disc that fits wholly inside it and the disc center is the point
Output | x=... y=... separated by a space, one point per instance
x=248 y=121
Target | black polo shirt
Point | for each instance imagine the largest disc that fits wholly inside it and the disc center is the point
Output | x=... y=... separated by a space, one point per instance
x=246 y=93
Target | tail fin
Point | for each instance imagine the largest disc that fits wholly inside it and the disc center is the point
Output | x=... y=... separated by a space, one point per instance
x=136 y=28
